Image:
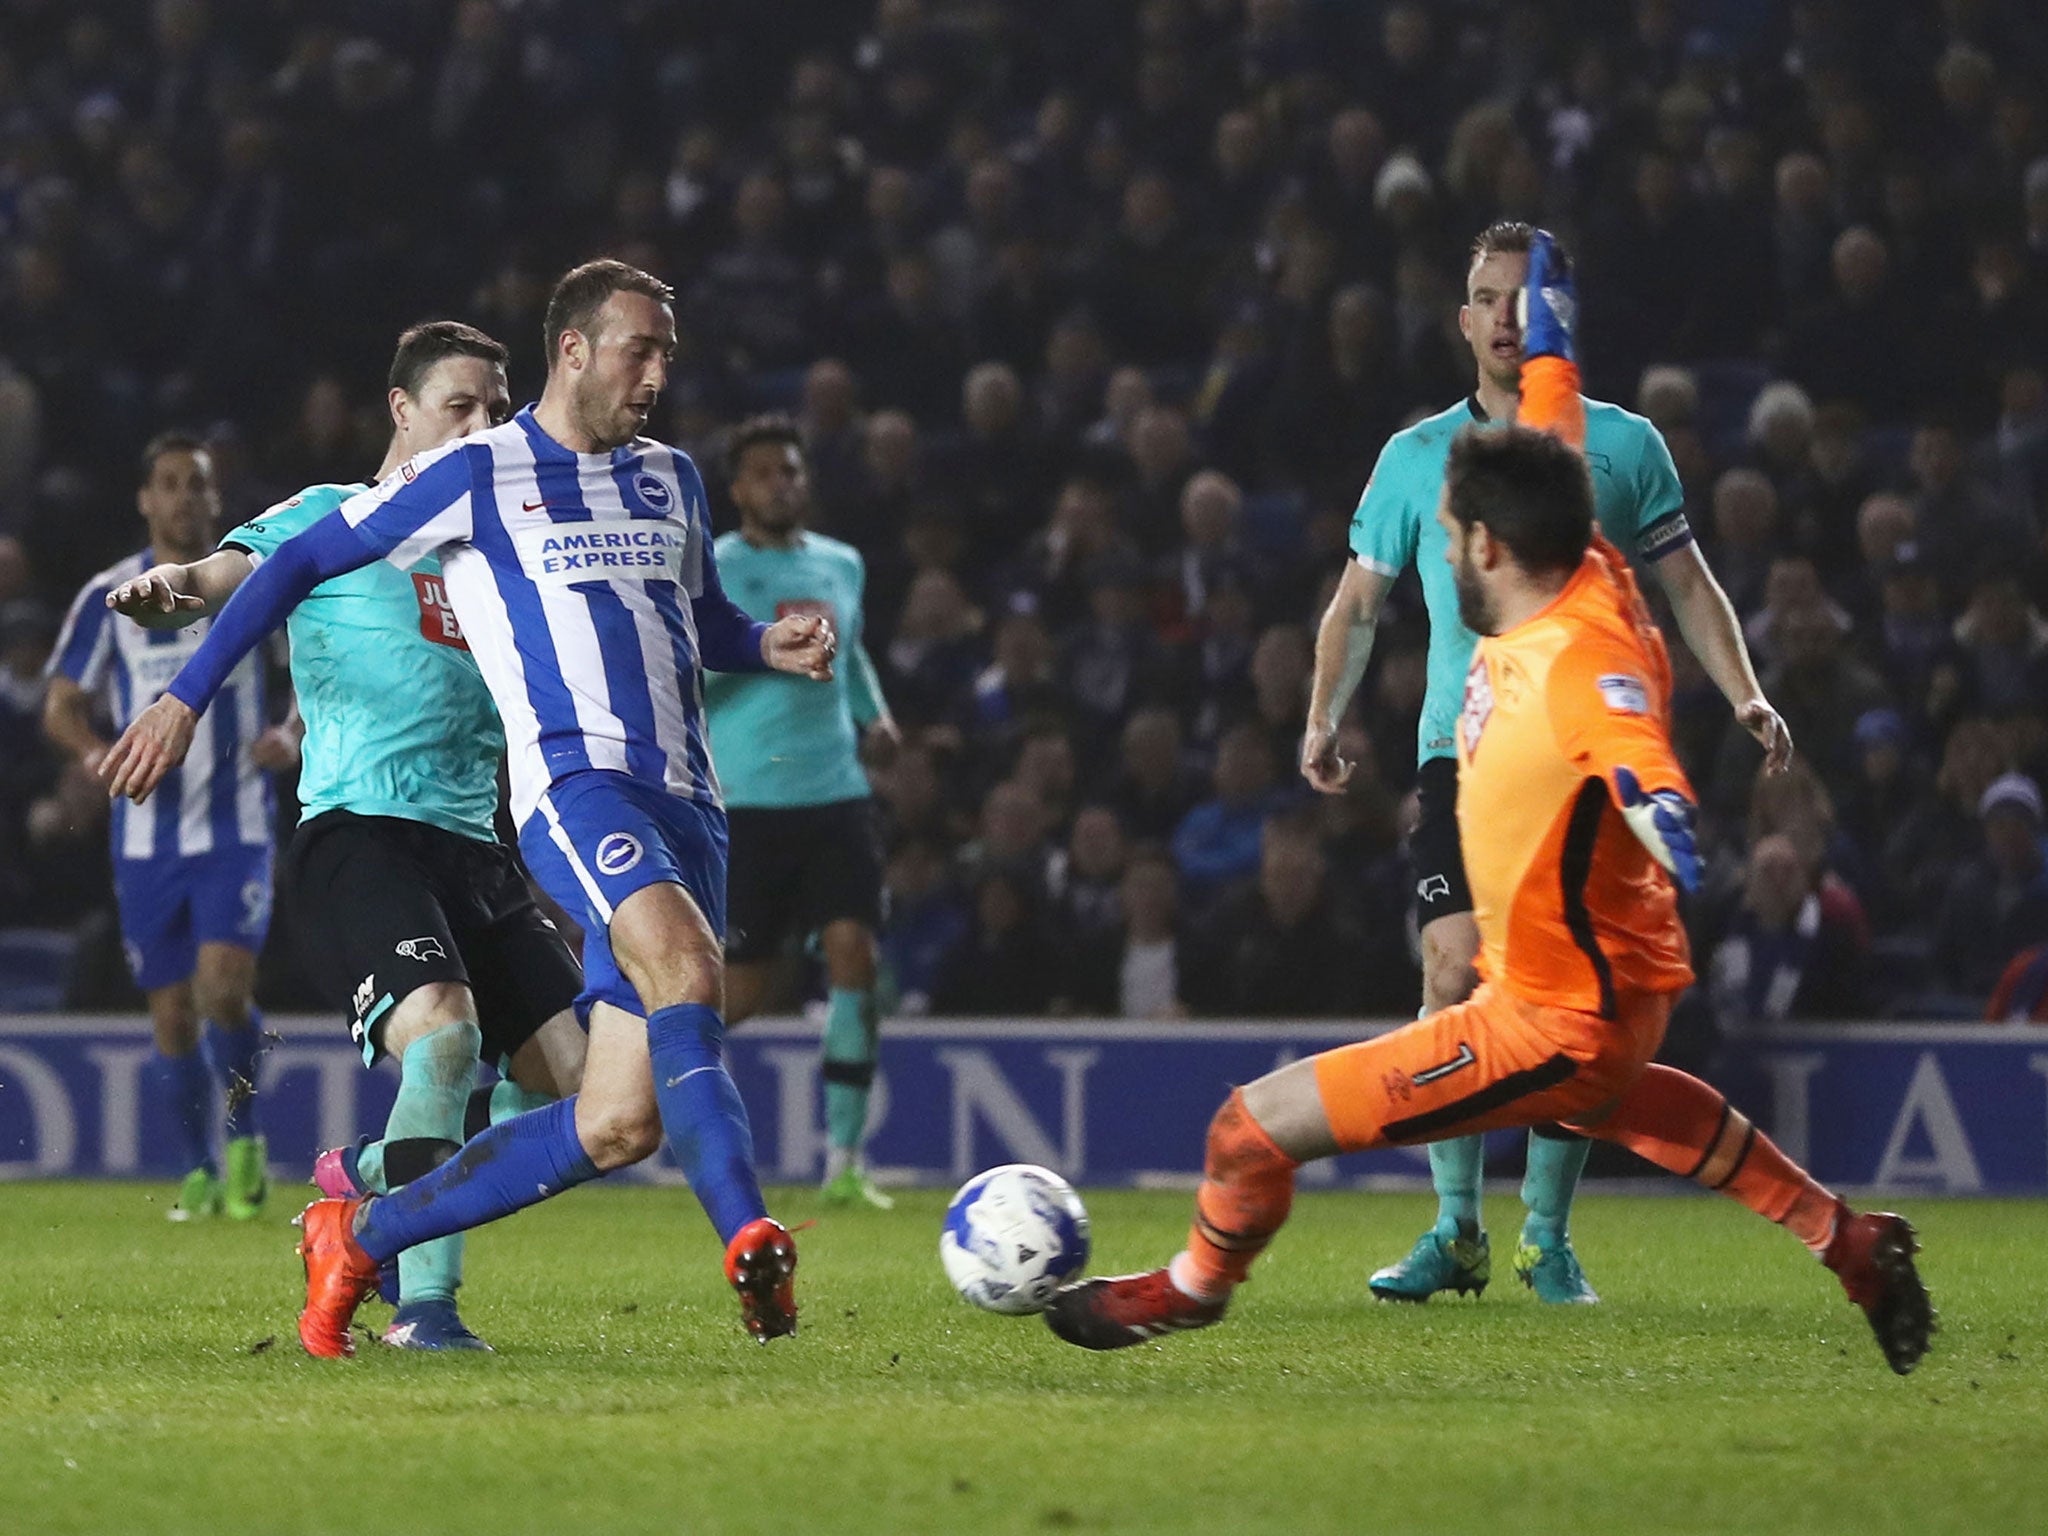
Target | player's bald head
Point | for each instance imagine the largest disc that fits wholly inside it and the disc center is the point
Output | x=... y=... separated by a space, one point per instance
x=1529 y=488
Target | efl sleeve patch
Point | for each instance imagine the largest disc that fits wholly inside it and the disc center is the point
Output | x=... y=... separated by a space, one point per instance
x=1625 y=695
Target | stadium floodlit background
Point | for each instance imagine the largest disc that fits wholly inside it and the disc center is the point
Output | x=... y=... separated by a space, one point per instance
x=1094 y=315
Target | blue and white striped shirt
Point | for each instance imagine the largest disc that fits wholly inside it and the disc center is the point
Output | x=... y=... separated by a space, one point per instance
x=219 y=798
x=576 y=578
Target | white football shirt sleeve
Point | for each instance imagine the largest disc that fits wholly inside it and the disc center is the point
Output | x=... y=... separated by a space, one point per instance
x=426 y=504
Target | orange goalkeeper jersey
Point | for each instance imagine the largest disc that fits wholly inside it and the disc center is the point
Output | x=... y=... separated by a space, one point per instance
x=1571 y=907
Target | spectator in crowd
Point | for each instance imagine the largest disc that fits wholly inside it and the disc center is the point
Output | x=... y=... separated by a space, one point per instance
x=1818 y=686
x=1088 y=895
x=1005 y=964
x=1927 y=849
x=1782 y=955
x=2004 y=643
x=1997 y=903
x=1218 y=841
x=1154 y=786
x=1279 y=944
x=1745 y=535
x=1011 y=836
x=935 y=653
x=927 y=921
x=1115 y=659
x=1096 y=333
x=1133 y=970
x=1889 y=784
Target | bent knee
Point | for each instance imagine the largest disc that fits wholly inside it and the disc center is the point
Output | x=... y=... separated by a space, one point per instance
x=618 y=1138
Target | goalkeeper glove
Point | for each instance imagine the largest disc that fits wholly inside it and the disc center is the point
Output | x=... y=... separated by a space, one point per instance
x=1662 y=821
x=1548 y=304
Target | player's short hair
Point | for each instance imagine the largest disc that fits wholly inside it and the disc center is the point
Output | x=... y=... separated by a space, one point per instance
x=1512 y=237
x=1531 y=490
x=581 y=294
x=428 y=343
x=769 y=427
x=168 y=442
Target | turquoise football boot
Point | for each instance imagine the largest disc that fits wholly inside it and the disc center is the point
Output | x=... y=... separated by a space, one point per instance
x=1437 y=1263
x=1553 y=1273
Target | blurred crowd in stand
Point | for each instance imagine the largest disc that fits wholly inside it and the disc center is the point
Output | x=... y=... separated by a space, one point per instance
x=1094 y=317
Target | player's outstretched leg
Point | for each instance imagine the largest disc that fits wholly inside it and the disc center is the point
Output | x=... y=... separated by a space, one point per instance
x=1678 y=1122
x=1454 y=1255
x=507 y=1168
x=1247 y=1190
x=1544 y=1260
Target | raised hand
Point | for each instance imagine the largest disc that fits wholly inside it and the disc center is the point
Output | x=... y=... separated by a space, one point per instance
x=1549 y=301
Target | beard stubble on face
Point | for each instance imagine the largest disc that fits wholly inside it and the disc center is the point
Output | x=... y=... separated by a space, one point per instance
x=1474 y=611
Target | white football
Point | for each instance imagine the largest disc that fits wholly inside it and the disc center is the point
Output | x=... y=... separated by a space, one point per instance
x=1013 y=1236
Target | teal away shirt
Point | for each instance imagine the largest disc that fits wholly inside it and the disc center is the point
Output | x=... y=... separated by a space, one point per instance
x=780 y=741
x=1637 y=499
x=398 y=720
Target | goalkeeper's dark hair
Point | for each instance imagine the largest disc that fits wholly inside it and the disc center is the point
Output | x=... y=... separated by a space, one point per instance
x=582 y=292
x=771 y=427
x=433 y=341
x=168 y=442
x=1529 y=488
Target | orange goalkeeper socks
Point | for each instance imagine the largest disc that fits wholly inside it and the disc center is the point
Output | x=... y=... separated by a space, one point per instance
x=1247 y=1190
x=1679 y=1123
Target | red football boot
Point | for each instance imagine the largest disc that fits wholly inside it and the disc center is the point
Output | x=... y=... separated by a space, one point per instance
x=338 y=1276
x=1129 y=1309
x=1872 y=1255
x=760 y=1261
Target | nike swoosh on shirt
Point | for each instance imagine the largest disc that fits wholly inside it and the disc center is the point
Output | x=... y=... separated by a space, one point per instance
x=532 y=506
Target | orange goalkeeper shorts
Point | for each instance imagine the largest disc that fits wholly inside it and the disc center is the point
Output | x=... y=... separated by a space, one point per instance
x=1489 y=1062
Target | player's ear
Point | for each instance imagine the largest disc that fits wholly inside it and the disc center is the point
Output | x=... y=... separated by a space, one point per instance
x=400 y=406
x=1486 y=549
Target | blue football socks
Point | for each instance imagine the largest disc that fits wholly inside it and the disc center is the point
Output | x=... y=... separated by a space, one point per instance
x=702 y=1113
x=509 y=1167
x=182 y=1085
x=233 y=1054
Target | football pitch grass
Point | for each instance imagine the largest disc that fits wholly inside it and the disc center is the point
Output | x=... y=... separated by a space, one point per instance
x=151 y=1381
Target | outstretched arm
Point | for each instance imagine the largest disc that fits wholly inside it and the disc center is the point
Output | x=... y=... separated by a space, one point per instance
x=161 y=735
